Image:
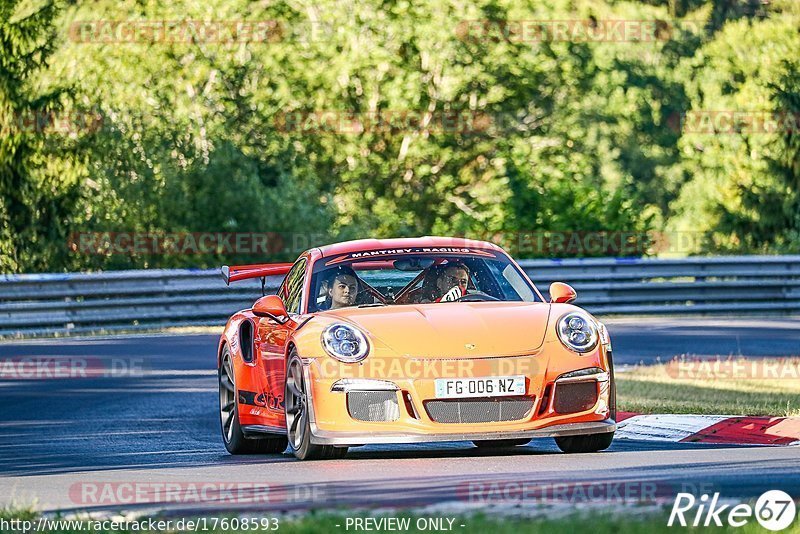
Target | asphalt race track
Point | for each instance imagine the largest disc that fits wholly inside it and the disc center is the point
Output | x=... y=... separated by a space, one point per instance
x=161 y=425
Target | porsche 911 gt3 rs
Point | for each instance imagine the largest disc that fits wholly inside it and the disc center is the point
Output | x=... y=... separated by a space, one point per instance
x=411 y=340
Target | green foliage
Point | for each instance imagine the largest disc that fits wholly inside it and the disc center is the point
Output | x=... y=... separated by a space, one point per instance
x=208 y=136
x=744 y=187
x=39 y=176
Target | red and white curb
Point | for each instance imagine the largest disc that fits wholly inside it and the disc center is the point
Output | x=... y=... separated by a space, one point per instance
x=741 y=430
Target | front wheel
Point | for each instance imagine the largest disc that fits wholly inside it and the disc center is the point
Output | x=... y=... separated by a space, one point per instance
x=298 y=425
x=588 y=443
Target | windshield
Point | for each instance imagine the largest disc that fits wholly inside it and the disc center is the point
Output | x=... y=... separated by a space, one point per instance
x=385 y=277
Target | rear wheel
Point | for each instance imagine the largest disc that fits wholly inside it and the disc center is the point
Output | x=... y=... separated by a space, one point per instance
x=588 y=443
x=298 y=424
x=500 y=443
x=232 y=435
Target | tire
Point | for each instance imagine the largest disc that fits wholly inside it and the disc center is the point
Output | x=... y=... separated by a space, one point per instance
x=588 y=443
x=298 y=424
x=612 y=395
x=232 y=435
x=500 y=443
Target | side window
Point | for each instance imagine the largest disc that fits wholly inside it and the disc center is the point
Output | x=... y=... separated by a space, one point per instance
x=291 y=291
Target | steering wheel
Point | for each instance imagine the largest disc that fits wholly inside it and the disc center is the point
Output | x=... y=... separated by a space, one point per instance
x=475 y=296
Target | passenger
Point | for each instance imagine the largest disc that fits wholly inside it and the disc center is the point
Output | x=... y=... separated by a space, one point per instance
x=342 y=288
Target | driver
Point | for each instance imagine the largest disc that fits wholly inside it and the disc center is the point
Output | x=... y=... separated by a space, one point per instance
x=443 y=283
x=452 y=282
x=342 y=288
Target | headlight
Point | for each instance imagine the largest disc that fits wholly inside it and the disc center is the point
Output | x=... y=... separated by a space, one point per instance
x=577 y=331
x=345 y=343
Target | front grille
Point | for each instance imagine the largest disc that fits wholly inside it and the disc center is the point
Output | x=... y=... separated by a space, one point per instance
x=574 y=397
x=373 y=405
x=479 y=410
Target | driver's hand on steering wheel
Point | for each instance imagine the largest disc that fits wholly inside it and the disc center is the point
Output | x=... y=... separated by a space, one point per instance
x=455 y=293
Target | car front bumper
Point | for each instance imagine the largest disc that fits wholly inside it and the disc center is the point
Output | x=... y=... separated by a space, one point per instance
x=327 y=437
x=332 y=424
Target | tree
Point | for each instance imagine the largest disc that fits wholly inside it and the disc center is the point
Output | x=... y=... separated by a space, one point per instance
x=39 y=173
x=744 y=186
x=526 y=135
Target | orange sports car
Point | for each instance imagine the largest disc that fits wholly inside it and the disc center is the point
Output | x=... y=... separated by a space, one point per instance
x=411 y=340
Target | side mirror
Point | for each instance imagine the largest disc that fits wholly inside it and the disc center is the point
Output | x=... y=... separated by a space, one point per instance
x=271 y=306
x=560 y=292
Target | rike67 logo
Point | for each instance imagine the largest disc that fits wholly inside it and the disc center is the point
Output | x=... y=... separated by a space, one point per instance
x=774 y=510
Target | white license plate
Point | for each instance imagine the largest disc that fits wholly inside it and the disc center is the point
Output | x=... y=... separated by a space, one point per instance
x=495 y=386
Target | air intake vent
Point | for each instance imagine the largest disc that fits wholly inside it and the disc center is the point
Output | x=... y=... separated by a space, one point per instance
x=479 y=410
x=574 y=397
x=373 y=405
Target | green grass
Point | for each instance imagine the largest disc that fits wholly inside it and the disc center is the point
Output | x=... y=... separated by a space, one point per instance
x=659 y=389
x=633 y=522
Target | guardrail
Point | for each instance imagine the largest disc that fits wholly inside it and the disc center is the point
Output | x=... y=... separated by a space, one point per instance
x=130 y=300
